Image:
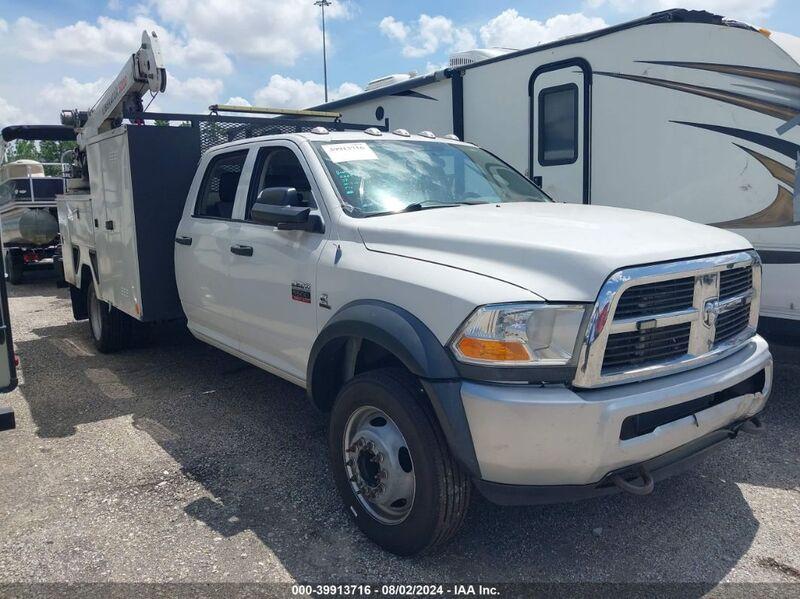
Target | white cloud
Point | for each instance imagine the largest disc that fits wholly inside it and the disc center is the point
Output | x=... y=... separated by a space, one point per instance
x=285 y=92
x=508 y=29
x=12 y=115
x=70 y=93
x=747 y=10
x=511 y=30
x=427 y=35
x=279 y=31
x=238 y=101
x=393 y=29
x=203 y=34
x=197 y=89
x=108 y=41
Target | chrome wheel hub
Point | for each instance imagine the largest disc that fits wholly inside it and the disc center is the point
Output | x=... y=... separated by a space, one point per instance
x=378 y=465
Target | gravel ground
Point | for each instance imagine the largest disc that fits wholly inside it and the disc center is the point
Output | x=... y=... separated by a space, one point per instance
x=176 y=462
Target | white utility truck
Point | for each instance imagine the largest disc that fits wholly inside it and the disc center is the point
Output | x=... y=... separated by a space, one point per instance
x=460 y=329
x=681 y=112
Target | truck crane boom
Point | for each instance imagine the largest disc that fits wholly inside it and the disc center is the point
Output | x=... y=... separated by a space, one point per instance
x=144 y=71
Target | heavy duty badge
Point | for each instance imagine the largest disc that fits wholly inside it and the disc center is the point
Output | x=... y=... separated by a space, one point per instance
x=301 y=292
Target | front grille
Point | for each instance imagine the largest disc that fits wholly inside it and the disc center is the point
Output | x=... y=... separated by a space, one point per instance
x=638 y=348
x=735 y=282
x=732 y=323
x=667 y=317
x=656 y=298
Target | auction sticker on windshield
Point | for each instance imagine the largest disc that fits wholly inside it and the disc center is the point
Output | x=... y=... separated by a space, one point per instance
x=349 y=152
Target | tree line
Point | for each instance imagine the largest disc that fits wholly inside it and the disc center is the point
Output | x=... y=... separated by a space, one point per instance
x=41 y=151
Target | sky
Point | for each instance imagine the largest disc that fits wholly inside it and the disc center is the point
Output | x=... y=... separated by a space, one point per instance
x=59 y=55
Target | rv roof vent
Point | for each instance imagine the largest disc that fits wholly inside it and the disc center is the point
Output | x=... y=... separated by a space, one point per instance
x=452 y=136
x=389 y=80
x=460 y=59
x=401 y=133
x=373 y=131
x=428 y=134
x=320 y=131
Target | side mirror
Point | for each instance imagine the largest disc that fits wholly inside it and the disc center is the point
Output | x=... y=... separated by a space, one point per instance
x=270 y=209
x=278 y=196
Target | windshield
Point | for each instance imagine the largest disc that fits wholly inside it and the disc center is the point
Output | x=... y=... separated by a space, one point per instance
x=386 y=176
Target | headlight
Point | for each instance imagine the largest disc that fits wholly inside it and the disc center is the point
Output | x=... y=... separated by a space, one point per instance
x=519 y=335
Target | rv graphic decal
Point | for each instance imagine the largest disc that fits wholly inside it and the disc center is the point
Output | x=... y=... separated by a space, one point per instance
x=410 y=93
x=780 y=213
x=780 y=111
x=786 y=77
x=784 y=210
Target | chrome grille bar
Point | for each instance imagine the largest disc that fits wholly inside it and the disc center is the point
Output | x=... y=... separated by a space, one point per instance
x=725 y=294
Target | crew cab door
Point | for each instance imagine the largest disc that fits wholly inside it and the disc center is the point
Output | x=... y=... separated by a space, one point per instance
x=559 y=129
x=202 y=248
x=8 y=370
x=273 y=271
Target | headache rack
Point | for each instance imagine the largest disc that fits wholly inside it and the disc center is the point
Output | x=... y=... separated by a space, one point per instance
x=214 y=128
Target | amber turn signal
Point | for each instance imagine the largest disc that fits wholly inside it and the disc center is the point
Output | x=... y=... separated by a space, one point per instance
x=488 y=349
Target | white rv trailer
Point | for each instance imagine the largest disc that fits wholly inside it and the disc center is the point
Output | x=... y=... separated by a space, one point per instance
x=681 y=112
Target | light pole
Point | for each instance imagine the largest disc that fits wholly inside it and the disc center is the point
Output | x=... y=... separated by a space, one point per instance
x=322 y=4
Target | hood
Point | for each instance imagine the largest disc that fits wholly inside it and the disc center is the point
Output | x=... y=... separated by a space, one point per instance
x=561 y=252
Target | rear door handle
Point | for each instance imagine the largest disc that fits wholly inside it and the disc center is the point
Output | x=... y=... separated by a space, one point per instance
x=242 y=250
x=183 y=240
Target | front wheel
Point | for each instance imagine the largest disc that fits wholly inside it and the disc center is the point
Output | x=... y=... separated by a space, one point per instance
x=110 y=328
x=392 y=464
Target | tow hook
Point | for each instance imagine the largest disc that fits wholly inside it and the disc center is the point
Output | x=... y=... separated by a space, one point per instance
x=643 y=489
x=754 y=426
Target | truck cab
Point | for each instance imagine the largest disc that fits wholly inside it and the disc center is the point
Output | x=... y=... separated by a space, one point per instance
x=461 y=330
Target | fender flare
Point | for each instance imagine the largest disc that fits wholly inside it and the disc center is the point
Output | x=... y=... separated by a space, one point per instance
x=412 y=342
x=394 y=329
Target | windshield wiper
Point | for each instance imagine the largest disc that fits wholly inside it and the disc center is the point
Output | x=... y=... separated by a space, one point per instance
x=417 y=206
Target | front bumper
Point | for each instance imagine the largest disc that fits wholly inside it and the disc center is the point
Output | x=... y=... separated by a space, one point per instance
x=560 y=437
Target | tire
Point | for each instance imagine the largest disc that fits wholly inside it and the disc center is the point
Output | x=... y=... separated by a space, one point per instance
x=15 y=266
x=110 y=328
x=441 y=491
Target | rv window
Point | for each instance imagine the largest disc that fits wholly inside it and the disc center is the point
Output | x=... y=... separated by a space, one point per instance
x=218 y=191
x=278 y=166
x=558 y=125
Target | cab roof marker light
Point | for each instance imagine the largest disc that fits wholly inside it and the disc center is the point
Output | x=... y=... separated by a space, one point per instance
x=428 y=134
x=401 y=133
x=320 y=131
x=452 y=136
x=373 y=131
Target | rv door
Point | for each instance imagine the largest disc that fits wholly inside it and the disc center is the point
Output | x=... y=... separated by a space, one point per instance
x=559 y=148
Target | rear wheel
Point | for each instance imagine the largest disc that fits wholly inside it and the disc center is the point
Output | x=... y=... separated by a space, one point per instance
x=110 y=328
x=392 y=464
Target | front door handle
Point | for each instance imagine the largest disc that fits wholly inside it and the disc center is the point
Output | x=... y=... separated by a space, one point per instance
x=242 y=250
x=183 y=240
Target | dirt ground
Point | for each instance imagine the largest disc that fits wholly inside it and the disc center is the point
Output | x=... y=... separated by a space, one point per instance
x=176 y=462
